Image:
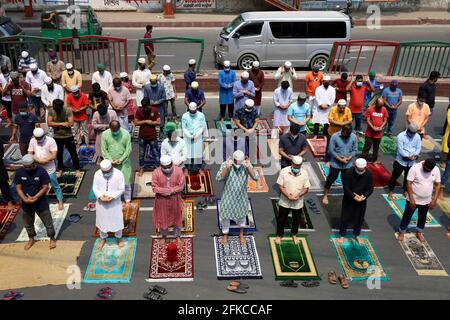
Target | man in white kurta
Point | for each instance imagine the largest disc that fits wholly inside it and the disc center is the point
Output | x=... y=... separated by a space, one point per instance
x=325 y=96
x=108 y=187
x=194 y=125
x=140 y=78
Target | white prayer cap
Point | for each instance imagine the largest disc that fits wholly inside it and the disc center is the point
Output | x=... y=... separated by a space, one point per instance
x=166 y=67
x=25 y=54
x=165 y=160
x=33 y=67
x=105 y=165
x=192 y=61
x=360 y=163
x=27 y=160
x=48 y=80
x=342 y=102
x=38 y=133
x=194 y=85
x=69 y=66
x=326 y=78
x=226 y=64
x=245 y=75
x=123 y=75
x=192 y=106
x=255 y=64
x=249 y=102
x=297 y=160
x=141 y=60
x=288 y=64
x=238 y=155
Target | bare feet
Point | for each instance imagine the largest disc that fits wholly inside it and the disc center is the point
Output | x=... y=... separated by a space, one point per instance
x=52 y=244
x=242 y=239
x=296 y=240
x=224 y=239
x=58 y=173
x=359 y=240
x=341 y=240
x=325 y=200
x=101 y=244
x=390 y=197
x=328 y=164
x=60 y=206
x=420 y=236
x=10 y=207
x=29 y=244
x=400 y=236
x=141 y=172
x=120 y=243
x=127 y=205
x=277 y=240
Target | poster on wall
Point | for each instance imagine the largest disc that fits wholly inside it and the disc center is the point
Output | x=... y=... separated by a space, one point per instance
x=119 y=5
x=195 y=4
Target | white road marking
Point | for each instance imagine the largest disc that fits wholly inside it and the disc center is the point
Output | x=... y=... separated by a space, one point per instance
x=151 y=208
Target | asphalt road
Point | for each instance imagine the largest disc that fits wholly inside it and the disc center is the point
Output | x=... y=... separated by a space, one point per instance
x=404 y=284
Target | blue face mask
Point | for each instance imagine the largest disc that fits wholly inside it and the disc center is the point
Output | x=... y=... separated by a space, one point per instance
x=23 y=113
x=107 y=175
x=295 y=171
x=115 y=134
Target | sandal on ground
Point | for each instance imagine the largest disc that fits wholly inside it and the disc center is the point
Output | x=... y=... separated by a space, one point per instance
x=159 y=289
x=289 y=284
x=344 y=282
x=241 y=285
x=236 y=289
x=92 y=207
x=12 y=295
x=310 y=283
x=332 y=277
x=152 y=295
x=86 y=207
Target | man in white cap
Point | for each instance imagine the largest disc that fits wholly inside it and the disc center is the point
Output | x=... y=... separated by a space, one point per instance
x=70 y=77
x=78 y=102
x=195 y=94
x=227 y=78
x=140 y=78
x=242 y=90
x=44 y=151
x=257 y=76
x=234 y=203
x=35 y=78
x=168 y=183
x=286 y=73
x=103 y=77
x=325 y=96
x=194 y=125
x=32 y=186
x=293 y=182
x=49 y=92
x=247 y=120
x=24 y=62
x=282 y=99
x=108 y=187
x=339 y=116
x=190 y=75
x=358 y=186
x=167 y=80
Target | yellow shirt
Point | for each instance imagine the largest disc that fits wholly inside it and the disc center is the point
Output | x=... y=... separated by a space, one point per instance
x=293 y=184
x=67 y=81
x=335 y=115
x=418 y=115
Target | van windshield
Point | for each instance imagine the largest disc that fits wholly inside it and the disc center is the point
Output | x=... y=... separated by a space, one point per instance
x=233 y=25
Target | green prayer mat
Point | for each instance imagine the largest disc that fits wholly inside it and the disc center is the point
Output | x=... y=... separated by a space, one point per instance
x=70 y=184
x=305 y=220
x=388 y=146
x=310 y=128
x=224 y=127
x=291 y=261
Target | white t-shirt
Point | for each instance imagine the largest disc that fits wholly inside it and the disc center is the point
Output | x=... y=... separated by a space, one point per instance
x=422 y=183
x=43 y=151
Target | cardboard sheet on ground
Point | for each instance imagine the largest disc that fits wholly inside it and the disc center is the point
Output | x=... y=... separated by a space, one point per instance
x=259 y=186
x=142 y=186
x=305 y=220
x=333 y=214
x=250 y=225
x=445 y=206
x=429 y=144
x=274 y=148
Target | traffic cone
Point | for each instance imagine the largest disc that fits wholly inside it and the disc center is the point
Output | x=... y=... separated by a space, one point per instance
x=168 y=10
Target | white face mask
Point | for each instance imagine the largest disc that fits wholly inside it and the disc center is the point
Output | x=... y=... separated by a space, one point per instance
x=359 y=84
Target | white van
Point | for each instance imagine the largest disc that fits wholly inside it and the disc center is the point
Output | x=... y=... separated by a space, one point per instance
x=303 y=37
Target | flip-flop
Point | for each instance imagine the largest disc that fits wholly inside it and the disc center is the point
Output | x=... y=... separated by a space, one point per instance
x=289 y=284
x=159 y=289
x=343 y=281
x=86 y=207
x=236 y=290
x=241 y=285
x=332 y=277
x=152 y=295
x=92 y=207
x=12 y=295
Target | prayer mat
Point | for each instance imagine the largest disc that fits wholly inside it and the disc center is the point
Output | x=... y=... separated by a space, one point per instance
x=136 y=132
x=263 y=128
x=87 y=156
x=12 y=157
x=237 y=261
x=333 y=214
x=293 y=261
x=325 y=170
x=359 y=262
x=262 y=156
x=398 y=207
x=41 y=233
x=169 y=262
x=258 y=186
x=310 y=128
x=130 y=218
x=199 y=184
x=445 y=206
x=430 y=145
x=149 y=158
x=422 y=257
x=305 y=220
x=380 y=175
x=317 y=146
x=250 y=222
x=388 y=146
x=7 y=218
x=70 y=184
x=38 y=266
x=206 y=152
x=226 y=127
x=274 y=148
x=188 y=219
x=142 y=186
x=313 y=178
x=111 y=264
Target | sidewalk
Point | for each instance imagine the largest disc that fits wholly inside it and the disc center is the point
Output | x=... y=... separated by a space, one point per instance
x=109 y=19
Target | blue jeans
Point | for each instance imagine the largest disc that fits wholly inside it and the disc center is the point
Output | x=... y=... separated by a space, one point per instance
x=56 y=186
x=154 y=158
x=390 y=122
x=358 y=120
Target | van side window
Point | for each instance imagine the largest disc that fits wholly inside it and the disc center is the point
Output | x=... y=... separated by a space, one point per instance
x=337 y=29
x=288 y=30
x=251 y=29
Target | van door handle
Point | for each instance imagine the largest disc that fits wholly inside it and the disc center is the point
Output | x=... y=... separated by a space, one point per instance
x=258 y=42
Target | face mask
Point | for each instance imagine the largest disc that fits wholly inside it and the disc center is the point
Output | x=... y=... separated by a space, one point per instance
x=54 y=61
x=107 y=175
x=34 y=72
x=70 y=73
x=226 y=69
x=76 y=95
x=167 y=170
x=41 y=141
x=154 y=85
x=295 y=171
x=192 y=114
x=23 y=113
x=101 y=72
x=359 y=84
x=420 y=103
x=115 y=133
x=360 y=172
x=117 y=88
x=237 y=166
x=248 y=109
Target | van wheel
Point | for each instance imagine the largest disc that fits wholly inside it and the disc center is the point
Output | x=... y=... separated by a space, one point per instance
x=245 y=61
x=320 y=61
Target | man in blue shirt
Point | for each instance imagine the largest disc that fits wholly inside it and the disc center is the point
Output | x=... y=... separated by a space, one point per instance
x=227 y=78
x=155 y=93
x=32 y=184
x=408 y=150
x=195 y=94
x=393 y=98
x=190 y=75
x=300 y=112
x=342 y=148
x=24 y=122
x=370 y=93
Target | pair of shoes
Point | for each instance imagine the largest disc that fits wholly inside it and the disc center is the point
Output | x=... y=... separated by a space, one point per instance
x=333 y=279
x=12 y=295
x=155 y=292
x=92 y=207
x=106 y=293
x=238 y=287
x=289 y=284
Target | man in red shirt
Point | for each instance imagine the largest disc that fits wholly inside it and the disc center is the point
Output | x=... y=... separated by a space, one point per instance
x=19 y=90
x=78 y=102
x=341 y=87
x=376 y=120
x=356 y=105
x=149 y=47
x=147 y=118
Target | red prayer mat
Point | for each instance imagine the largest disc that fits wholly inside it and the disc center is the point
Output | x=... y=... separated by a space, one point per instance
x=188 y=219
x=7 y=218
x=263 y=128
x=199 y=184
x=169 y=262
x=380 y=175
x=130 y=217
x=318 y=146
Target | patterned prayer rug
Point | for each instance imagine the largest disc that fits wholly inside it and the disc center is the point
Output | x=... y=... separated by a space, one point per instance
x=130 y=218
x=333 y=214
x=258 y=186
x=70 y=184
x=305 y=220
x=274 y=148
x=310 y=128
x=398 y=207
x=445 y=206
x=250 y=222
x=313 y=178
x=325 y=170
x=111 y=264
x=292 y=261
x=317 y=146
x=263 y=128
x=41 y=233
x=422 y=257
x=142 y=186
x=226 y=127
x=87 y=156
x=388 y=146
x=169 y=262
x=237 y=261
x=188 y=219
x=7 y=218
x=199 y=184
x=359 y=262
x=380 y=175
x=12 y=157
